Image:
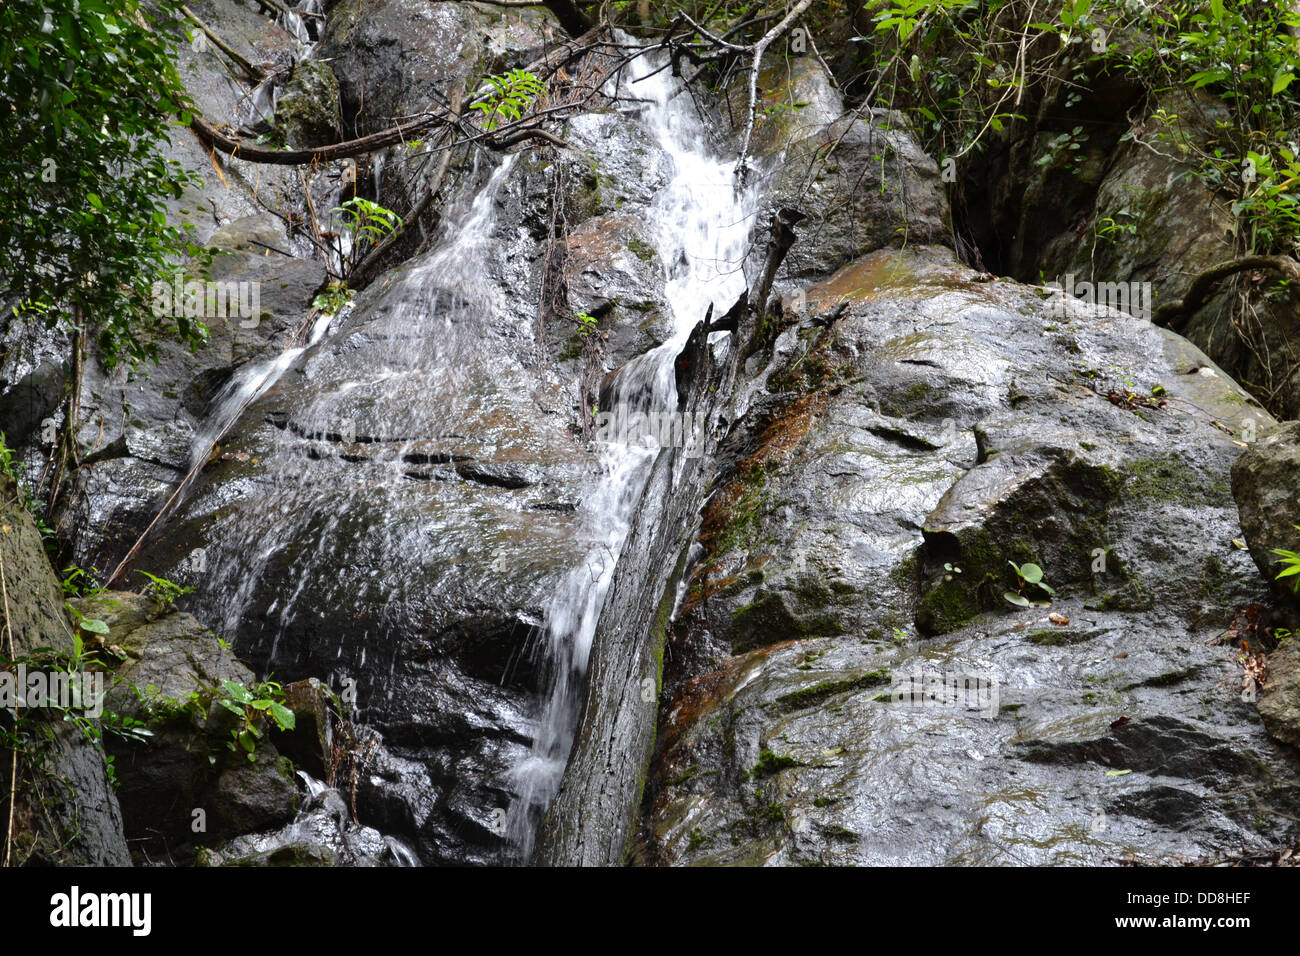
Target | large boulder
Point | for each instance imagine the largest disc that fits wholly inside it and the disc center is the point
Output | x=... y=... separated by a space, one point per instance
x=862 y=180
x=912 y=433
x=186 y=782
x=66 y=811
x=1279 y=700
x=1266 y=484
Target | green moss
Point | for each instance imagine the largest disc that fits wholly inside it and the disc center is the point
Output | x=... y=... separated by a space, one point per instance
x=1056 y=638
x=642 y=250
x=770 y=763
x=572 y=349
x=814 y=695
x=948 y=606
x=1170 y=480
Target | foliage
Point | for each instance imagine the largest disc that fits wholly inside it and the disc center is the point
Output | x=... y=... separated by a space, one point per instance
x=80 y=582
x=1028 y=576
x=965 y=71
x=586 y=323
x=335 y=296
x=32 y=505
x=251 y=705
x=164 y=592
x=1290 y=565
x=368 y=224
x=88 y=92
x=509 y=97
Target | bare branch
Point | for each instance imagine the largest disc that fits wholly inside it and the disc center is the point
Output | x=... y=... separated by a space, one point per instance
x=1175 y=315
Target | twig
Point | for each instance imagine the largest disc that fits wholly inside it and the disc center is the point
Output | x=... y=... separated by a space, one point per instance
x=1176 y=314
x=253 y=72
x=759 y=49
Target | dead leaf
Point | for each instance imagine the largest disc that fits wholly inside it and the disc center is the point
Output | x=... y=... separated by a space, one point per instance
x=1060 y=619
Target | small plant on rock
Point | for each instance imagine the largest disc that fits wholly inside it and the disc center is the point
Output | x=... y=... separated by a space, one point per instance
x=250 y=705
x=1290 y=565
x=1029 y=578
x=164 y=592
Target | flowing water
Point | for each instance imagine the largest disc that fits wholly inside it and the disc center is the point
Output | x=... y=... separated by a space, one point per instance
x=700 y=225
x=369 y=411
x=381 y=410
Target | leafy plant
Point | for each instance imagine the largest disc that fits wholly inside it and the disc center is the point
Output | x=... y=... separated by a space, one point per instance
x=251 y=705
x=509 y=97
x=164 y=592
x=368 y=224
x=89 y=98
x=1290 y=565
x=80 y=582
x=333 y=299
x=1028 y=577
x=33 y=506
x=586 y=324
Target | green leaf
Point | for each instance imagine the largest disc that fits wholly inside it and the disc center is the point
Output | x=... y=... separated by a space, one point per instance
x=1117 y=773
x=283 y=716
x=94 y=625
x=1017 y=599
x=1281 y=81
x=238 y=691
x=1032 y=573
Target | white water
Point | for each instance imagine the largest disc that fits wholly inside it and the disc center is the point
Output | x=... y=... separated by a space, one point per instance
x=700 y=225
x=246 y=385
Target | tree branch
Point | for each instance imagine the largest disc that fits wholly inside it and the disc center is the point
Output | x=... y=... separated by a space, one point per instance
x=253 y=73
x=1176 y=314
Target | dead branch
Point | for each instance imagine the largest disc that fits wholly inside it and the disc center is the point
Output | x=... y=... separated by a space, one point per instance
x=253 y=73
x=1176 y=314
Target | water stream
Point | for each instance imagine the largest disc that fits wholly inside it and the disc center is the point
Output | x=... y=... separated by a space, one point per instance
x=700 y=225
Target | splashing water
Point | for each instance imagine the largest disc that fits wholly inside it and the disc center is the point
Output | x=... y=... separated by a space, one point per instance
x=700 y=225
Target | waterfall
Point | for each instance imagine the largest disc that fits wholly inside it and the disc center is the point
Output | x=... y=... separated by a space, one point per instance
x=700 y=224
x=425 y=329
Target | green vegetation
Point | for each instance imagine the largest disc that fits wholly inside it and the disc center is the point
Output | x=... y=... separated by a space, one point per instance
x=253 y=706
x=368 y=224
x=164 y=592
x=89 y=97
x=1290 y=565
x=1028 y=576
x=965 y=72
x=335 y=296
x=511 y=95
x=15 y=470
x=770 y=763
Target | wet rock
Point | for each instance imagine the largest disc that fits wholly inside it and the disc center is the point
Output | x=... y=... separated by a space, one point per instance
x=942 y=420
x=27 y=403
x=1279 y=702
x=322 y=834
x=308 y=744
x=1266 y=484
x=307 y=112
x=170 y=680
x=67 y=812
x=864 y=183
